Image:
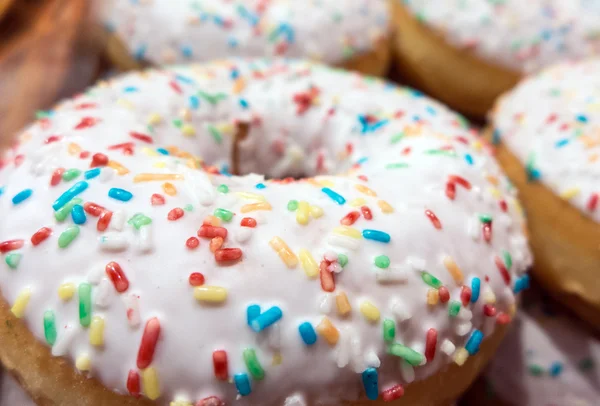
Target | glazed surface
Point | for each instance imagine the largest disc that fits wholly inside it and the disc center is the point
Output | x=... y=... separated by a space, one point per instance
x=520 y=35
x=551 y=123
x=407 y=227
x=165 y=31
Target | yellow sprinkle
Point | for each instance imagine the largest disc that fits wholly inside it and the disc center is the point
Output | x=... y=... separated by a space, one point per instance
x=251 y=196
x=255 y=206
x=570 y=193
x=161 y=177
x=347 y=231
x=277 y=359
x=454 y=270
x=460 y=356
x=512 y=309
x=121 y=170
x=74 y=149
x=18 y=308
x=365 y=190
x=188 y=130
x=284 y=252
x=159 y=165
x=385 y=206
x=83 y=363
x=489 y=297
x=359 y=201
x=302 y=214
x=316 y=212
x=186 y=114
x=211 y=294
x=125 y=103
x=496 y=194
x=212 y=220
x=149 y=152
x=328 y=331
x=169 y=189
x=369 y=310
x=154 y=119
x=66 y=291
x=433 y=296
x=239 y=85
x=310 y=266
x=97 y=331
x=151 y=384
x=342 y=303
x=477 y=145
x=180 y=403
x=325 y=183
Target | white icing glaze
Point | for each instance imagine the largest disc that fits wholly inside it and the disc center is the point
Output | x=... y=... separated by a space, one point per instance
x=432 y=144
x=166 y=31
x=551 y=123
x=516 y=34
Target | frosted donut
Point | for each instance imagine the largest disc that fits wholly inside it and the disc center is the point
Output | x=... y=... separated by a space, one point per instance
x=157 y=273
x=353 y=34
x=550 y=131
x=468 y=52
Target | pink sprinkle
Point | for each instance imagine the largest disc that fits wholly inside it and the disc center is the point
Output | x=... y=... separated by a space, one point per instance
x=433 y=218
x=141 y=137
x=157 y=200
x=87 y=122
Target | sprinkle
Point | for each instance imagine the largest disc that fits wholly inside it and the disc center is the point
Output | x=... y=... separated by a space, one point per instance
x=157 y=200
x=227 y=254
x=121 y=170
x=247 y=208
x=78 y=214
x=210 y=294
x=22 y=196
x=307 y=333
x=365 y=190
x=316 y=212
x=242 y=384
x=453 y=308
x=433 y=296
x=67 y=236
x=475 y=288
x=97 y=331
x=253 y=365
x=447 y=347
x=169 y=189
x=223 y=214
x=382 y=261
x=220 y=365
x=66 y=197
x=327 y=277
x=431 y=280
x=592 y=203
x=11 y=245
x=208 y=231
x=292 y=205
x=444 y=294
x=248 y=222
x=138 y=220
x=70 y=174
x=120 y=194
x=85 y=304
x=303 y=213
x=434 y=220
x=347 y=231
x=454 y=270
x=465 y=295
x=49 y=327
x=117 y=276
x=310 y=266
x=369 y=310
x=430 y=344
x=385 y=206
x=62 y=213
x=266 y=319
x=350 y=218
x=328 y=331
x=251 y=196
x=196 y=279
x=151 y=384
x=474 y=342
x=284 y=252
x=370 y=383
x=376 y=235
x=99 y=160
x=66 y=291
x=460 y=356
x=83 y=363
x=393 y=393
x=406 y=353
x=342 y=304
x=339 y=199
x=156 y=177
x=521 y=284
x=342 y=260
x=133 y=383
x=148 y=343
x=389 y=330
x=252 y=312
x=18 y=308
x=503 y=271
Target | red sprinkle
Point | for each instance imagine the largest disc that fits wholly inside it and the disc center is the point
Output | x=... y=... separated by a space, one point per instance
x=486 y=229
x=127 y=147
x=593 y=202
x=93 y=209
x=133 y=383
x=393 y=393
x=228 y=254
x=465 y=295
x=175 y=214
x=175 y=87
x=220 y=365
x=434 y=220
x=215 y=244
x=53 y=138
x=366 y=212
x=148 y=344
x=117 y=276
x=99 y=160
x=503 y=271
x=84 y=154
x=11 y=245
x=430 y=344
x=460 y=180
x=350 y=218
x=141 y=137
x=489 y=310
x=248 y=222
x=56 y=176
x=450 y=190
x=327 y=277
x=503 y=318
x=210 y=401
x=104 y=220
x=83 y=106
x=86 y=122
x=208 y=231
x=192 y=243
x=41 y=235
x=444 y=294
x=503 y=205
x=157 y=200
x=196 y=279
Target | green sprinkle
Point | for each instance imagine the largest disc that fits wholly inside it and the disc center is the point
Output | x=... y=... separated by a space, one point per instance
x=223 y=214
x=254 y=367
x=212 y=98
x=454 y=308
x=177 y=122
x=216 y=134
x=342 y=260
x=408 y=354
x=67 y=237
x=70 y=174
x=188 y=207
x=139 y=220
x=389 y=330
x=85 y=304
x=396 y=138
x=485 y=218
x=49 y=327
x=397 y=165
x=64 y=212
x=292 y=205
x=13 y=260
x=382 y=261
x=42 y=114
x=223 y=189
x=431 y=280
x=535 y=370
x=441 y=152
x=507 y=259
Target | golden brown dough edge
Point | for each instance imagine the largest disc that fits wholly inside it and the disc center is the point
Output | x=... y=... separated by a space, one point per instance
x=565 y=243
x=454 y=76
x=53 y=381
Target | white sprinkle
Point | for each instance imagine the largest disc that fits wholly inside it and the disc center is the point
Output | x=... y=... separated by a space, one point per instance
x=326 y=303
x=106 y=175
x=343 y=242
x=335 y=267
x=95 y=274
x=358 y=363
x=330 y=256
x=400 y=310
x=407 y=371
x=275 y=337
x=132 y=306
x=64 y=339
x=243 y=234
x=473 y=228
x=417 y=264
x=394 y=274
x=343 y=348
x=447 y=347
x=261 y=218
x=488 y=295
x=464 y=314
x=113 y=242
x=294 y=400
x=463 y=329
x=102 y=294
x=146 y=242
x=372 y=360
x=117 y=221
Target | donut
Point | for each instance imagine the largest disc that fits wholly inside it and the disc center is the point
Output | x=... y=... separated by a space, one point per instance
x=468 y=52
x=366 y=246
x=11 y=392
x=4 y=7
x=548 y=358
x=353 y=34
x=549 y=135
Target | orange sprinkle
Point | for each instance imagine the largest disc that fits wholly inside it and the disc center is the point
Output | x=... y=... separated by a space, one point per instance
x=150 y=177
x=343 y=305
x=121 y=170
x=215 y=244
x=169 y=189
x=365 y=190
x=385 y=206
x=454 y=270
x=493 y=180
x=255 y=206
x=74 y=149
x=328 y=331
x=212 y=221
x=284 y=252
x=433 y=296
x=239 y=85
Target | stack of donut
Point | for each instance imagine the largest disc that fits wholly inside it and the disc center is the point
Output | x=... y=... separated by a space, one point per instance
x=246 y=219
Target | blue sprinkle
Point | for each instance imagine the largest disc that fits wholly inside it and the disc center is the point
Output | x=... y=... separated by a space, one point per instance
x=186 y=51
x=266 y=319
x=556 y=369
x=362 y=160
x=370 y=383
x=339 y=199
x=235 y=73
x=521 y=284
x=244 y=103
x=496 y=137
x=130 y=89
x=218 y=20
x=184 y=79
x=474 y=342
x=78 y=214
x=66 y=197
x=469 y=159
x=242 y=384
x=232 y=42
x=581 y=118
x=260 y=186
x=162 y=151
x=22 y=196
x=1 y=190
x=307 y=332
x=252 y=312
x=194 y=102
x=92 y=173
x=376 y=235
x=562 y=143
x=431 y=110
x=475 y=287
x=120 y=194
x=140 y=52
